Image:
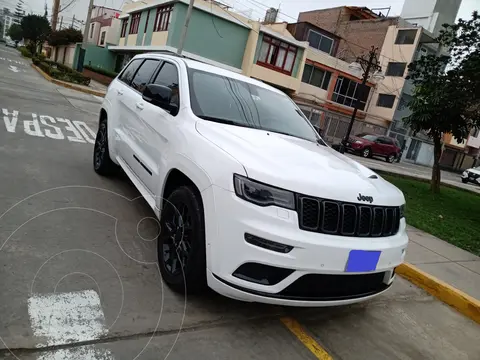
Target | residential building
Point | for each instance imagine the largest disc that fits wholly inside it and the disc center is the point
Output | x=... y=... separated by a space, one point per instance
x=216 y=35
x=8 y=18
x=104 y=27
x=399 y=42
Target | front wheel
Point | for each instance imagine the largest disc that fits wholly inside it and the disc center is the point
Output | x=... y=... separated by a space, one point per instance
x=464 y=181
x=181 y=243
x=391 y=158
x=366 y=153
x=102 y=164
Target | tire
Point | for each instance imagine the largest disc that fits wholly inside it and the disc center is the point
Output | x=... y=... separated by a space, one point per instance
x=102 y=164
x=390 y=158
x=366 y=153
x=189 y=274
x=464 y=181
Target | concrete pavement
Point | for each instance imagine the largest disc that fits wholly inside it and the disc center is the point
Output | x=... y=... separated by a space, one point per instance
x=79 y=274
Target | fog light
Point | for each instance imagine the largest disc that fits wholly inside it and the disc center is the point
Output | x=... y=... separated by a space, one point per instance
x=267 y=244
x=261 y=274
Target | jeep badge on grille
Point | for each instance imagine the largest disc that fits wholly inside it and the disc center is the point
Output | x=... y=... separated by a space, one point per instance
x=365 y=198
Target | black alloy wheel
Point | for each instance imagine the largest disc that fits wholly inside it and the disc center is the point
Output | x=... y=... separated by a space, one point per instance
x=102 y=164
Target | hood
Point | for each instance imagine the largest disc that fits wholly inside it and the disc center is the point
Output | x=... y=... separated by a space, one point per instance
x=356 y=138
x=474 y=171
x=299 y=165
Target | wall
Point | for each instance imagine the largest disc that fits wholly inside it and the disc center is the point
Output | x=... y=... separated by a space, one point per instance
x=100 y=57
x=275 y=77
x=147 y=38
x=392 y=84
x=159 y=38
x=211 y=37
x=251 y=52
x=59 y=51
x=474 y=141
x=96 y=31
x=113 y=33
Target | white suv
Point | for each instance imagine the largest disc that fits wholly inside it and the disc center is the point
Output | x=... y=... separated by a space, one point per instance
x=251 y=201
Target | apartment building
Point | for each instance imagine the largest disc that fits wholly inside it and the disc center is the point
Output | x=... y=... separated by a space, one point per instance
x=104 y=26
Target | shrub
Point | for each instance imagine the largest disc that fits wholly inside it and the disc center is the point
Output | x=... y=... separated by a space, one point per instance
x=101 y=71
x=25 y=52
x=62 y=72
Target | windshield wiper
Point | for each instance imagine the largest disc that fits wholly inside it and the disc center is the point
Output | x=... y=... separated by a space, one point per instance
x=224 y=121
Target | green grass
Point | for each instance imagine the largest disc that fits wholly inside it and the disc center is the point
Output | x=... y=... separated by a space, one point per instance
x=453 y=215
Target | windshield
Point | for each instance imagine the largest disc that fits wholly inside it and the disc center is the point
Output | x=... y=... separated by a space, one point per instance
x=367 y=137
x=219 y=98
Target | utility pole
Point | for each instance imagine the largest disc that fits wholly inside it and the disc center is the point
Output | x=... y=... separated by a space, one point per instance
x=73 y=21
x=81 y=56
x=367 y=65
x=56 y=6
x=181 y=43
x=61 y=22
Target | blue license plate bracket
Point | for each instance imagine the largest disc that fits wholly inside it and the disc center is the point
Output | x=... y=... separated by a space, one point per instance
x=362 y=261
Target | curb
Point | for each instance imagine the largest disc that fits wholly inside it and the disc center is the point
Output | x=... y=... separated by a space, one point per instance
x=69 y=85
x=464 y=303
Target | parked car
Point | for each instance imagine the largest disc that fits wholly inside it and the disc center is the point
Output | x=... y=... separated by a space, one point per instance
x=471 y=175
x=251 y=201
x=368 y=145
x=11 y=43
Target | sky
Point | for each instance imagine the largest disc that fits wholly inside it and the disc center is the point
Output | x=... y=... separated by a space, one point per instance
x=289 y=9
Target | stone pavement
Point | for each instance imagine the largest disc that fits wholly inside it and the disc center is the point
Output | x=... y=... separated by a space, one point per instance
x=455 y=266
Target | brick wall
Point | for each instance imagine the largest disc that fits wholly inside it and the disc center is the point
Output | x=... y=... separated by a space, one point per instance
x=102 y=79
x=357 y=36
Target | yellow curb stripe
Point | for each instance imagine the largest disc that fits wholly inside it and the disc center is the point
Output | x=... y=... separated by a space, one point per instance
x=68 y=85
x=464 y=303
x=306 y=339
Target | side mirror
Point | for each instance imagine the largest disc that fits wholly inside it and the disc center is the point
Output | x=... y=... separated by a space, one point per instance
x=161 y=96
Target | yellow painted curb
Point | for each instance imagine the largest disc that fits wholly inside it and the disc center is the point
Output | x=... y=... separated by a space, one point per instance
x=68 y=85
x=309 y=342
x=464 y=303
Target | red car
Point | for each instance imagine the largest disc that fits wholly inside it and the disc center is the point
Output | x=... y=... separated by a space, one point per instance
x=368 y=145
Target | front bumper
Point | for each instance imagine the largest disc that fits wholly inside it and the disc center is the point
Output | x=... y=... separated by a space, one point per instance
x=311 y=254
x=471 y=177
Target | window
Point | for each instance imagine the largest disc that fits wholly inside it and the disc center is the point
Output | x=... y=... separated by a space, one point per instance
x=91 y=30
x=385 y=100
x=134 y=23
x=347 y=91
x=162 y=18
x=405 y=37
x=168 y=76
x=395 y=69
x=235 y=102
x=316 y=77
x=102 y=38
x=277 y=55
x=144 y=74
x=123 y=33
x=320 y=42
x=129 y=71
x=146 y=22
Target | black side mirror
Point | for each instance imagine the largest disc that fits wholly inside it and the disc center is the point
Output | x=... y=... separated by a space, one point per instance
x=161 y=96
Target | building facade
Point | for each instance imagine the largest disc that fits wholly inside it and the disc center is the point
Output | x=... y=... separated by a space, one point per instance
x=104 y=27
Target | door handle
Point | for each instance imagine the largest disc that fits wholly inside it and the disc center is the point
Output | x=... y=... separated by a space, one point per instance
x=139 y=106
x=120 y=92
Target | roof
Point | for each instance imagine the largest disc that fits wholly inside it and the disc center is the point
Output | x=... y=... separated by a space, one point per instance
x=198 y=65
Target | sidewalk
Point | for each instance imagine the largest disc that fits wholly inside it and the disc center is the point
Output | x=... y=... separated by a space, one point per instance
x=453 y=265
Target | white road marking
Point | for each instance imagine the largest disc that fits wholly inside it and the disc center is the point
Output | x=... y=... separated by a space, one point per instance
x=13 y=68
x=65 y=318
x=83 y=353
x=42 y=126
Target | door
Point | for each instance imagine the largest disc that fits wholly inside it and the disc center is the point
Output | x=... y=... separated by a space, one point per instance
x=136 y=130
x=160 y=127
x=117 y=94
x=378 y=146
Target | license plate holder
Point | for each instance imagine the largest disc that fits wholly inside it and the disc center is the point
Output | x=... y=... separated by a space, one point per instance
x=362 y=261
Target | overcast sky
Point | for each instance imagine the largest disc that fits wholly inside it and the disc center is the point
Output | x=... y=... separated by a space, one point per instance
x=289 y=9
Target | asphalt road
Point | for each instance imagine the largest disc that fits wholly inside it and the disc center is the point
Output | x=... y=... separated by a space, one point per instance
x=78 y=266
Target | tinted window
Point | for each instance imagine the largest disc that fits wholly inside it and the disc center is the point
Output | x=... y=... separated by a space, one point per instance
x=130 y=71
x=235 y=102
x=387 y=141
x=386 y=100
x=395 y=69
x=144 y=74
x=406 y=37
x=367 y=137
x=168 y=76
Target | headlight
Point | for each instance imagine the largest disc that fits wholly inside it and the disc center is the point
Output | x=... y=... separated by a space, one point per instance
x=261 y=194
x=358 y=142
x=402 y=211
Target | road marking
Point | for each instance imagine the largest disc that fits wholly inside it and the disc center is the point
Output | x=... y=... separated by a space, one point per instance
x=42 y=126
x=13 y=68
x=83 y=353
x=306 y=339
x=65 y=318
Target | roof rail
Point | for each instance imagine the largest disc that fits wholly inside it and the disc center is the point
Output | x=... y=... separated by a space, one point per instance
x=168 y=52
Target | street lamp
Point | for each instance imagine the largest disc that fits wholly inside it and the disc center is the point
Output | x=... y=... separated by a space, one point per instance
x=368 y=66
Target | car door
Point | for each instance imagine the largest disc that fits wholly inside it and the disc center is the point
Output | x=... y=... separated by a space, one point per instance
x=137 y=141
x=377 y=146
x=160 y=126
x=119 y=117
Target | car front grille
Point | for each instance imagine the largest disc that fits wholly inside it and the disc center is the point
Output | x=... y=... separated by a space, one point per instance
x=347 y=219
x=471 y=175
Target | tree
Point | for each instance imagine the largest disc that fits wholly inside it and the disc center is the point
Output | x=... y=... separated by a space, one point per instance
x=446 y=99
x=65 y=37
x=15 y=32
x=35 y=29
